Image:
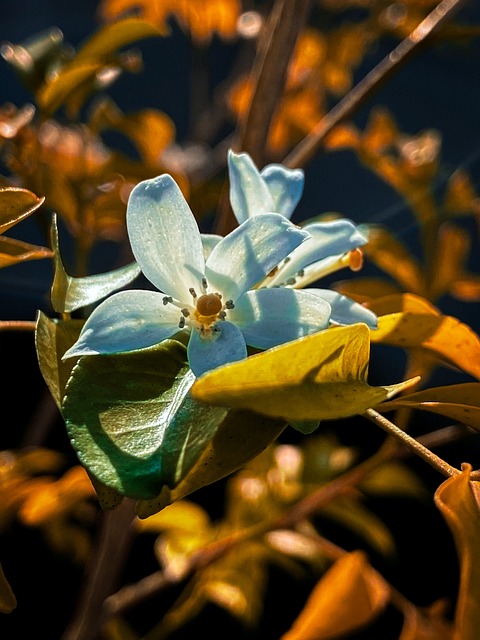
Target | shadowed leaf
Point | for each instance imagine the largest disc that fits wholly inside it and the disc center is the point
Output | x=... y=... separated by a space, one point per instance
x=15 y=251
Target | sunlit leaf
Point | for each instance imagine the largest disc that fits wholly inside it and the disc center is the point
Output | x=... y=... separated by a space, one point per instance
x=350 y=595
x=16 y=204
x=458 y=499
x=183 y=515
x=322 y=376
x=460 y=402
x=15 y=251
x=442 y=336
x=132 y=421
x=388 y=253
x=52 y=339
x=8 y=602
x=114 y=36
x=241 y=437
x=69 y=294
x=70 y=78
x=401 y=302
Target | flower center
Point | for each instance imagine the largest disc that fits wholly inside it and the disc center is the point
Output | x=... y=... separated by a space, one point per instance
x=210 y=304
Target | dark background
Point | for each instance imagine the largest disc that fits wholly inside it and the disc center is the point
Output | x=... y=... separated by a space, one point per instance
x=440 y=89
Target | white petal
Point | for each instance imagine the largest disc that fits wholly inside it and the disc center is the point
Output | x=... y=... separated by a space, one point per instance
x=126 y=321
x=164 y=236
x=209 y=241
x=328 y=239
x=244 y=257
x=225 y=345
x=345 y=310
x=268 y=317
x=249 y=194
x=285 y=186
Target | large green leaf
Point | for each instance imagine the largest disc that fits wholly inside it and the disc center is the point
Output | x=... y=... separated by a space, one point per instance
x=132 y=422
x=241 y=436
x=319 y=377
x=69 y=294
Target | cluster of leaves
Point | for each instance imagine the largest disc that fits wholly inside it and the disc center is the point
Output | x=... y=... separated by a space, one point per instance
x=146 y=438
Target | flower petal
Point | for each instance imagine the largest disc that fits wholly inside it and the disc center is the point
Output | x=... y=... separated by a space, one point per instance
x=126 y=321
x=246 y=255
x=345 y=310
x=269 y=317
x=285 y=186
x=249 y=193
x=328 y=239
x=164 y=236
x=209 y=241
x=225 y=345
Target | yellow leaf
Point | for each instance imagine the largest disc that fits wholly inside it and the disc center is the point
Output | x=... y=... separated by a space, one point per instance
x=443 y=336
x=15 y=205
x=458 y=499
x=320 y=377
x=349 y=596
x=8 y=602
x=461 y=402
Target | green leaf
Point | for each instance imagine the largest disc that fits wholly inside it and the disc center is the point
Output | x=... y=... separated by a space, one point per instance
x=320 y=377
x=132 y=422
x=460 y=402
x=52 y=339
x=69 y=294
x=242 y=436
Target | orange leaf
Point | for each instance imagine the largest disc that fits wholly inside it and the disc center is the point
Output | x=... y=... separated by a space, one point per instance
x=15 y=205
x=443 y=336
x=458 y=499
x=14 y=251
x=401 y=302
x=350 y=595
x=457 y=401
x=391 y=256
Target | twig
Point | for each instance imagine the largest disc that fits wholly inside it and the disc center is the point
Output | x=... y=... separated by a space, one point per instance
x=307 y=148
x=285 y=22
x=106 y=563
x=413 y=445
x=17 y=325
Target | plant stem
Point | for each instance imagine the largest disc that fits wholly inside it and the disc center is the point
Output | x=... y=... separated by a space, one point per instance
x=413 y=445
x=306 y=149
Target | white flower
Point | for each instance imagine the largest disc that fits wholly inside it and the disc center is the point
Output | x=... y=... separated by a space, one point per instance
x=215 y=298
x=331 y=246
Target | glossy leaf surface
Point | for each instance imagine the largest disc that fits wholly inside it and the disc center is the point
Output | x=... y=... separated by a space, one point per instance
x=132 y=422
x=16 y=204
x=320 y=377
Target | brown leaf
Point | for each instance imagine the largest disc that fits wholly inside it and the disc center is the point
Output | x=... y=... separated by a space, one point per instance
x=8 y=602
x=350 y=595
x=458 y=499
x=15 y=251
x=16 y=204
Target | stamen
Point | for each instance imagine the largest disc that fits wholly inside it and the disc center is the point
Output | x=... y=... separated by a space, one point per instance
x=193 y=293
x=222 y=315
x=291 y=281
x=181 y=322
x=204 y=285
x=185 y=312
x=355 y=259
x=229 y=304
x=167 y=299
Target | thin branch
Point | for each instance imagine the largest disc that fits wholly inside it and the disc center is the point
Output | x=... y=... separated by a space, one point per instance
x=286 y=20
x=413 y=445
x=373 y=81
x=17 y=325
